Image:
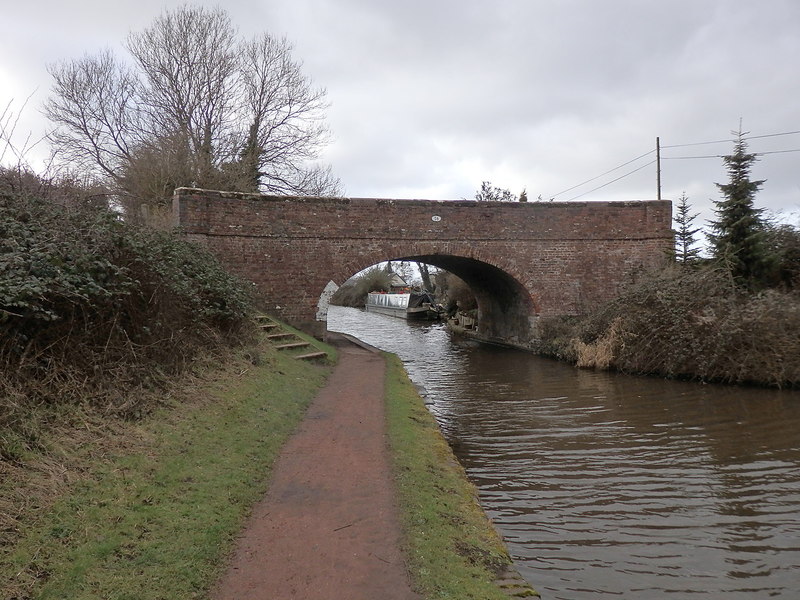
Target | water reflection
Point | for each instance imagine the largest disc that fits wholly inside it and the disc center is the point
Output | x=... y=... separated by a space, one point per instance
x=608 y=485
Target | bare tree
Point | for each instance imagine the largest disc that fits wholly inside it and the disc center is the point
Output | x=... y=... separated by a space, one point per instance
x=197 y=107
x=284 y=115
x=187 y=60
x=95 y=105
x=425 y=273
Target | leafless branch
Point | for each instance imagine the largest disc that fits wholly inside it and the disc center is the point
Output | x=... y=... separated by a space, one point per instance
x=199 y=107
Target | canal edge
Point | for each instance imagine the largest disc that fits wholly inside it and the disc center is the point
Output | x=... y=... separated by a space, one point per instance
x=509 y=580
x=506 y=577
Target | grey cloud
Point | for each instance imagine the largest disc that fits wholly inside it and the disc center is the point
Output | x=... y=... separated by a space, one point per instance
x=433 y=97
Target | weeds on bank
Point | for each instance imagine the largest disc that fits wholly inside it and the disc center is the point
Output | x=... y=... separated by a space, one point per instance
x=693 y=324
x=453 y=550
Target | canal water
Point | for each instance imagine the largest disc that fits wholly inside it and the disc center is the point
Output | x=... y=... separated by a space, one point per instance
x=605 y=485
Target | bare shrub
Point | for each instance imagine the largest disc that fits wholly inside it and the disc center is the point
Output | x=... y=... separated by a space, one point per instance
x=697 y=325
x=353 y=292
x=557 y=337
x=454 y=293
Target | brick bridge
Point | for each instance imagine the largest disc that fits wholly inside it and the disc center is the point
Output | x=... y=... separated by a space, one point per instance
x=522 y=261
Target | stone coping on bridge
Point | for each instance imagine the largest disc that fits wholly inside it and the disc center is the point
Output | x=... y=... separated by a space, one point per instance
x=207 y=193
x=213 y=212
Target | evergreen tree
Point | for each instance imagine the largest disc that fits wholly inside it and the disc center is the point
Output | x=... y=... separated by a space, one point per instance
x=685 y=251
x=737 y=236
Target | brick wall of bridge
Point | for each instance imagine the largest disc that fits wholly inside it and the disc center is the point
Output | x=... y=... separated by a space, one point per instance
x=567 y=256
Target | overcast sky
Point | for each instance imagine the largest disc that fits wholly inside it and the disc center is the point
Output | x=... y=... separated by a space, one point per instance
x=429 y=98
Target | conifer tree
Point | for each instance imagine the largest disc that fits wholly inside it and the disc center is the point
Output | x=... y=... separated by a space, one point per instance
x=685 y=251
x=737 y=235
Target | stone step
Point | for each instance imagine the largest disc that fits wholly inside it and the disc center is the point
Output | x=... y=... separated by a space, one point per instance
x=281 y=336
x=311 y=356
x=292 y=345
x=268 y=326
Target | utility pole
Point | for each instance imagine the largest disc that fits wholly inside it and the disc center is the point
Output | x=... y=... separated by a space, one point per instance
x=658 y=168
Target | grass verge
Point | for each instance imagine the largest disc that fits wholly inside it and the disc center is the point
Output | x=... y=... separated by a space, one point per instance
x=453 y=550
x=149 y=510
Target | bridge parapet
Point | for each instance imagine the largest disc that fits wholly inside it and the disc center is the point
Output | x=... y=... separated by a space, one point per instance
x=229 y=213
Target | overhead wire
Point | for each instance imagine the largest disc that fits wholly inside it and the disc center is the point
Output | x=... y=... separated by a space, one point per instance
x=625 y=164
x=696 y=144
x=756 y=137
x=747 y=137
x=691 y=157
x=777 y=152
x=664 y=147
x=723 y=155
x=652 y=162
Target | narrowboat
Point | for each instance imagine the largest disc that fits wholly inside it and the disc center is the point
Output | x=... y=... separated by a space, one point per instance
x=409 y=305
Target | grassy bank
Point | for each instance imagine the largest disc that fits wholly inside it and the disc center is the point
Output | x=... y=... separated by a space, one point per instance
x=453 y=550
x=149 y=509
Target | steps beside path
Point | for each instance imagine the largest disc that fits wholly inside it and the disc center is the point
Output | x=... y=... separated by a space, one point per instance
x=292 y=345
x=288 y=341
x=281 y=336
x=312 y=356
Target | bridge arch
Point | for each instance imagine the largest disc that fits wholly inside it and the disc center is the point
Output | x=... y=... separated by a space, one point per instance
x=522 y=260
x=507 y=310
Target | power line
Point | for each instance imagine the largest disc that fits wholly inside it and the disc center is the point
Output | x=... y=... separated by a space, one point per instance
x=747 y=137
x=777 y=152
x=697 y=144
x=723 y=156
x=691 y=157
x=652 y=162
x=756 y=137
x=704 y=156
x=625 y=164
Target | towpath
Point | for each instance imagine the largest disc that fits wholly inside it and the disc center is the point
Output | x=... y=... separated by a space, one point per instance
x=328 y=526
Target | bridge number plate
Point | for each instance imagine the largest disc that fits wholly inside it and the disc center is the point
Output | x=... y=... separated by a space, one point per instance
x=436 y=218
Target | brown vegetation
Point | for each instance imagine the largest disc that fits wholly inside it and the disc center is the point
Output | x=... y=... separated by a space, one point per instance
x=195 y=105
x=353 y=292
x=694 y=324
x=454 y=294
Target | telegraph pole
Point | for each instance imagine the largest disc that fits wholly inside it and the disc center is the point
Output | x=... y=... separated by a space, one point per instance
x=658 y=168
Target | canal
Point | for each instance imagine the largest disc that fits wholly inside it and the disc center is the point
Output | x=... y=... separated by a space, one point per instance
x=605 y=485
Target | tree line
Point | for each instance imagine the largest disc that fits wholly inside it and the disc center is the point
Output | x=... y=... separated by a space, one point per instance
x=191 y=104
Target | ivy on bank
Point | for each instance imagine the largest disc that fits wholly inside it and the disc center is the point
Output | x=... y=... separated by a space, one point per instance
x=92 y=307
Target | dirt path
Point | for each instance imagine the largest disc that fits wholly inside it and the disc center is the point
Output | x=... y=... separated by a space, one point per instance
x=327 y=528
